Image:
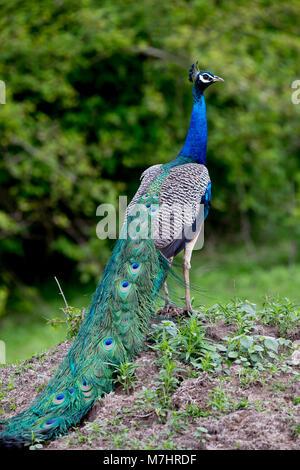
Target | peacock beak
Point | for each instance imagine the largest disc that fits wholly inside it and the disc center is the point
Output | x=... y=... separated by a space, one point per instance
x=218 y=79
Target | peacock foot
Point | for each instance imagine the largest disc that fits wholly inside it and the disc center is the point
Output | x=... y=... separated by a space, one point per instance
x=167 y=307
x=189 y=308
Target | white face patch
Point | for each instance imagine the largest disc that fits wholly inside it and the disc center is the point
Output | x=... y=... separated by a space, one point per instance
x=205 y=78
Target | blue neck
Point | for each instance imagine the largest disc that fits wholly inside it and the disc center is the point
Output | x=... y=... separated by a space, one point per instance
x=196 y=141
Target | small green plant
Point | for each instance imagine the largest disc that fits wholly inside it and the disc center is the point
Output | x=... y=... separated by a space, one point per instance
x=157 y=400
x=187 y=342
x=296 y=430
x=193 y=410
x=11 y=405
x=240 y=404
x=146 y=400
x=278 y=386
x=259 y=406
x=73 y=320
x=41 y=387
x=282 y=313
x=201 y=434
x=219 y=400
x=254 y=350
x=163 y=336
x=193 y=346
x=73 y=317
x=167 y=382
x=241 y=313
x=120 y=439
x=249 y=376
x=177 y=422
x=125 y=375
x=35 y=443
x=96 y=428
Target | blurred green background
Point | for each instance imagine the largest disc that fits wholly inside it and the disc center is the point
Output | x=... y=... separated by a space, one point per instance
x=98 y=91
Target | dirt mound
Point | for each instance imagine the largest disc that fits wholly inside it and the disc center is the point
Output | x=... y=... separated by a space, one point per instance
x=211 y=411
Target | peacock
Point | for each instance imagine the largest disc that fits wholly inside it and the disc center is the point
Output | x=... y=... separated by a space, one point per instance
x=117 y=319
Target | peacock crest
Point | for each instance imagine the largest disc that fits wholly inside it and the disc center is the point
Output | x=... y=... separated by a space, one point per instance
x=193 y=72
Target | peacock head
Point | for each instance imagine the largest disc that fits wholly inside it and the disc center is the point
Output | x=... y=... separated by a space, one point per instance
x=202 y=80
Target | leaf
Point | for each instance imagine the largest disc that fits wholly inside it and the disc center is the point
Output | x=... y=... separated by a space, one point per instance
x=233 y=354
x=246 y=342
x=249 y=309
x=254 y=357
x=272 y=355
x=271 y=343
x=201 y=429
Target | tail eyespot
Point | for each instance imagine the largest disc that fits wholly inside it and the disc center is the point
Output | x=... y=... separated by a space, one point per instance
x=59 y=399
x=85 y=387
x=125 y=286
x=108 y=344
x=50 y=423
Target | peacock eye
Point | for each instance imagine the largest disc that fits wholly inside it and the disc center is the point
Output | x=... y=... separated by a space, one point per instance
x=206 y=77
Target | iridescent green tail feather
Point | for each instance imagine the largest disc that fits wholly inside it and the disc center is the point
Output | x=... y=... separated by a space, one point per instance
x=113 y=330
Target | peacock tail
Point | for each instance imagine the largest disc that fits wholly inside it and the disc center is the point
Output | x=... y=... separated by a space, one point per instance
x=113 y=330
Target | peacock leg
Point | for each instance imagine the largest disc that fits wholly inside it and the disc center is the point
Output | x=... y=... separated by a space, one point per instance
x=167 y=298
x=188 y=250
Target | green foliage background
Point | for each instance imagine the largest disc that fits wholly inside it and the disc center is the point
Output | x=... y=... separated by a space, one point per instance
x=98 y=91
